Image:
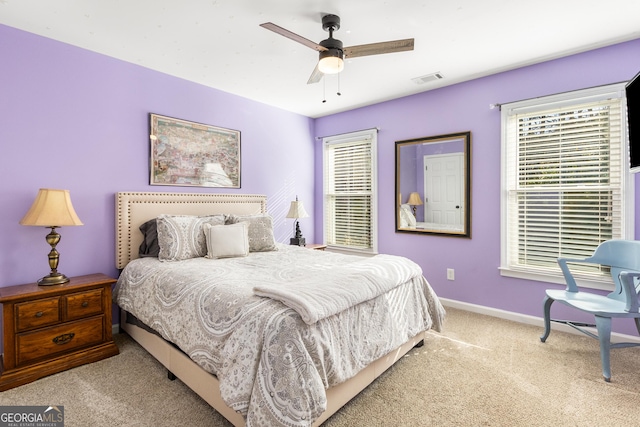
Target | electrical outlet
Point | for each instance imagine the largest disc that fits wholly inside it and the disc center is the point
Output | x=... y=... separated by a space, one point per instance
x=451 y=275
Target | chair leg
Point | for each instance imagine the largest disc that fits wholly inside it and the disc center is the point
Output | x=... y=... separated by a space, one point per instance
x=547 y=318
x=603 y=324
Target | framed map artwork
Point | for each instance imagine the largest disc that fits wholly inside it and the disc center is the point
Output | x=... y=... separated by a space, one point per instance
x=193 y=154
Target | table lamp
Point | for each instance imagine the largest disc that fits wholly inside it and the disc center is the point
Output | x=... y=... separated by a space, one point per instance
x=297 y=211
x=52 y=209
x=414 y=200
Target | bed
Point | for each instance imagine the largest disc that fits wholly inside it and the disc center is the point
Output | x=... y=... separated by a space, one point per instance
x=264 y=354
x=408 y=221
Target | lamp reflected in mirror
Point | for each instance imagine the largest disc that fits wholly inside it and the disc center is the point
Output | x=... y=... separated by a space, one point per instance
x=414 y=201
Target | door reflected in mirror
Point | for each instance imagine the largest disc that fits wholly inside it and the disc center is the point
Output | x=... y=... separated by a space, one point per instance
x=433 y=185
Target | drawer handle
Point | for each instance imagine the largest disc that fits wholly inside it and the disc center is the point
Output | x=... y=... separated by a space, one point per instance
x=85 y=304
x=39 y=314
x=64 y=338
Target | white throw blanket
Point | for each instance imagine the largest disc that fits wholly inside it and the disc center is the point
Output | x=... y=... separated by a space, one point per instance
x=326 y=293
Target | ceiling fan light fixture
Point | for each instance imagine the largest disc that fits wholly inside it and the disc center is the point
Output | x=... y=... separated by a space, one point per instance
x=331 y=65
x=331 y=61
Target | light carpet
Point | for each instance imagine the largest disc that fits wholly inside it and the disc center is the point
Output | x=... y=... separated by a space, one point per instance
x=481 y=371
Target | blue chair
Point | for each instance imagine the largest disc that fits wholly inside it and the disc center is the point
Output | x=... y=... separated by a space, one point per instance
x=623 y=257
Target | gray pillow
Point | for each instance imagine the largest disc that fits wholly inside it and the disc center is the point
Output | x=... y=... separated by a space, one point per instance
x=182 y=236
x=261 y=237
x=149 y=246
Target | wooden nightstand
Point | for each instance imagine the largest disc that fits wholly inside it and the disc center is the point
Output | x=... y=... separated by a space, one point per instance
x=48 y=329
x=316 y=246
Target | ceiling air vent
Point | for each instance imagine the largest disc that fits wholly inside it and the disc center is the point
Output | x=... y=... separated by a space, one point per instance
x=428 y=78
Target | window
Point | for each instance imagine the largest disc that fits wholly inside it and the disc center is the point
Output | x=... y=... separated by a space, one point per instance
x=350 y=191
x=565 y=182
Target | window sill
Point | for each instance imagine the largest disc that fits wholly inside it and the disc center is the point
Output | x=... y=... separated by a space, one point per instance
x=604 y=285
x=351 y=251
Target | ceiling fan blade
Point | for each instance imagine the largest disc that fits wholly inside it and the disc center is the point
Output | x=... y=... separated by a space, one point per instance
x=293 y=36
x=316 y=76
x=378 y=48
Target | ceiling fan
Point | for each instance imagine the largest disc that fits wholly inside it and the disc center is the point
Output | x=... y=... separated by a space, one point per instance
x=332 y=53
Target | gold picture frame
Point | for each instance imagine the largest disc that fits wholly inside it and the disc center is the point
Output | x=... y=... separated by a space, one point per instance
x=191 y=154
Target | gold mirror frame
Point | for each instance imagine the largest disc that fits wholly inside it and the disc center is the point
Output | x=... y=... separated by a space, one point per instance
x=433 y=185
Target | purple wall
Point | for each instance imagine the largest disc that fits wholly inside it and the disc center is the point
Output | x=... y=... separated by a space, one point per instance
x=465 y=107
x=74 y=119
x=77 y=120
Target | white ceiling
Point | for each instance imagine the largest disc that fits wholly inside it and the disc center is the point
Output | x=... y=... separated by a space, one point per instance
x=219 y=43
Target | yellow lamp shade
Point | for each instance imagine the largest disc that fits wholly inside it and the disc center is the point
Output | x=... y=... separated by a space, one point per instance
x=52 y=208
x=414 y=199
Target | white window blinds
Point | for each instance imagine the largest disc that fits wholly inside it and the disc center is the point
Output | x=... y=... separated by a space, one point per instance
x=349 y=191
x=564 y=166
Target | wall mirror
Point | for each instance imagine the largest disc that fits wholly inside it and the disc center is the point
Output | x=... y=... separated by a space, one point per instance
x=433 y=185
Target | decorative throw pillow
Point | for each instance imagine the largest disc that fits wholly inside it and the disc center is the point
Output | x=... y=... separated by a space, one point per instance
x=226 y=241
x=261 y=237
x=182 y=236
x=149 y=246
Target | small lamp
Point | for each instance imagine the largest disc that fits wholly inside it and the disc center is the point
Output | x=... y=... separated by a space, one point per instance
x=297 y=211
x=52 y=209
x=414 y=200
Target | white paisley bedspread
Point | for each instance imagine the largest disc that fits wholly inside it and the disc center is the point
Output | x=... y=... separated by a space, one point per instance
x=273 y=368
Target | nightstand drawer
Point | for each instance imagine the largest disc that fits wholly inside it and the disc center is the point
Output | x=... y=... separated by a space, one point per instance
x=30 y=315
x=84 y=304
x=47 y=342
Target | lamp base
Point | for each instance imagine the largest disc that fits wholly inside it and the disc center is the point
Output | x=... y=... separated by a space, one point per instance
x=53 y=279
x=298 y=241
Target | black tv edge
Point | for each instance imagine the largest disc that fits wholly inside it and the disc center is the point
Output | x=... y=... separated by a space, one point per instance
x=632 y=90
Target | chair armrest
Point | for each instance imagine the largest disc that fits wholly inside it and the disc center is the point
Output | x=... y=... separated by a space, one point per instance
x=568 y=277
x=627 y=279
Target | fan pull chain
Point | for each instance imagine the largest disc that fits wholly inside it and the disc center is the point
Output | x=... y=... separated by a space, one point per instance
x=324 y=90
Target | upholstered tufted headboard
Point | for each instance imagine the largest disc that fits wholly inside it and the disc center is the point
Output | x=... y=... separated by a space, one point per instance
x=134 y=209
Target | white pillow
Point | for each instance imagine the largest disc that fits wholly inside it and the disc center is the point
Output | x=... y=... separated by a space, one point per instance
x=406 y=216
x=226 y=241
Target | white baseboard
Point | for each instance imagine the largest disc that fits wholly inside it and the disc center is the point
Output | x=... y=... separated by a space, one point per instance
x=526 y=319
